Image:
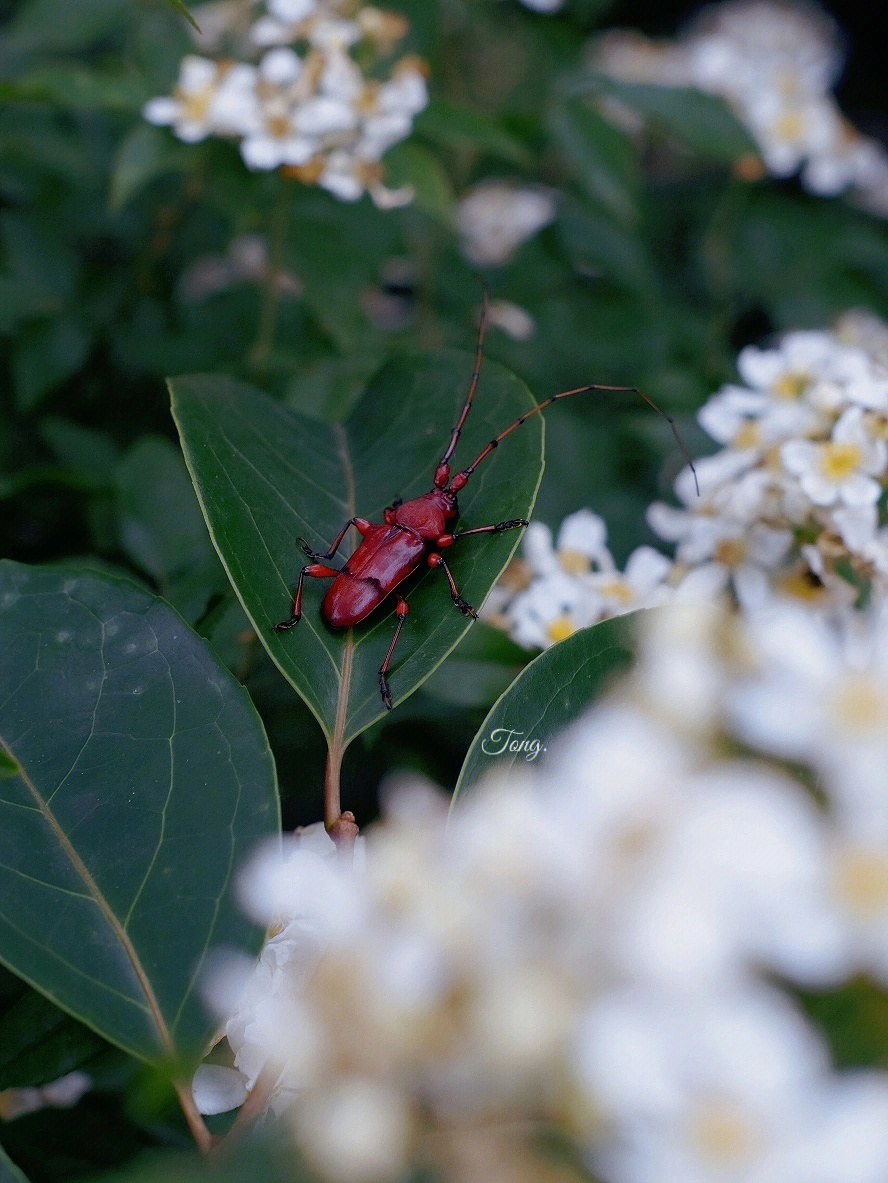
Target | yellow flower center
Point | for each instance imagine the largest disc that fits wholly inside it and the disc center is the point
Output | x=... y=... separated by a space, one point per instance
x=839 y=461
x=730 y=552
x=803 y=585
x=790 y=126
x=749 y=436
x=517 y=576
x=617 y=589
x=790 y=386
x=279 y=126
x=861 y=879
x=561 y=628
x=635 y=838
x=721 y=1133
x=861 y=704
x=574 y=562
x=195 y=103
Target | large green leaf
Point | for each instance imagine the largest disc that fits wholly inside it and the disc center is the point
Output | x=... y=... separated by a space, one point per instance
x=265 y=476
x=143 y=779
x=547 y=695
x=9 y=1172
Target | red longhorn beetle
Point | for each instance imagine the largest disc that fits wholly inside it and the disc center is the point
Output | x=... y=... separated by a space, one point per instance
x=388 y=553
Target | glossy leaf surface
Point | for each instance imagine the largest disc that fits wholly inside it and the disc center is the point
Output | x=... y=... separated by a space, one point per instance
x=547 y=695
x=266 y=476
x=143 y=779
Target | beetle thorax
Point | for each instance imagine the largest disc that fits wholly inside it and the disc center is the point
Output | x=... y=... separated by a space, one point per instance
x=427 y=515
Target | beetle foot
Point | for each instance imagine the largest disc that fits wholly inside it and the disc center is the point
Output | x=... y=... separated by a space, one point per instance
x=306 y=549
x=385 y=691
x=513 y=525
x=466 y=609
x=283 y=625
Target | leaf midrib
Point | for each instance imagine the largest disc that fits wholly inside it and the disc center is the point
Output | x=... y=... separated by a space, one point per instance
x=341 y=721
x=96 y=894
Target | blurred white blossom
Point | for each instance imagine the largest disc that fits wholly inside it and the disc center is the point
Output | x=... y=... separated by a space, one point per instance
x=775 y=62
x=495 y=218
x=304 y=104
x=609 y=941
x=63 y=1093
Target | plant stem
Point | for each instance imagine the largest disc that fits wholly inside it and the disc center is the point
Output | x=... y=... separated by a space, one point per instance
x=332 y=797
x=252 y=1109
x=193 y=1116
x=336 y=743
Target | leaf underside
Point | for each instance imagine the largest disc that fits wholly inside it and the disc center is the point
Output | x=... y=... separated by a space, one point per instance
x=143 y=778
x=546 y=696
x=266 y=475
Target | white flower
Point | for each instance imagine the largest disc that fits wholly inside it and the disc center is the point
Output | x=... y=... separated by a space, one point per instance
x=641 y=585
x=218 y=1089
x=292 y=10
x=514 y=320
x=189 y=109
x=582 y=541
x=550 y=610
x=496 y=218
x=820 y=694
x=843 y=468
x=703 y=1089
x=356 y=1131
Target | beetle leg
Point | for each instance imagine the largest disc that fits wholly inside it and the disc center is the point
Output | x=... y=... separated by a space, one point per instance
x=313 y=571
x=401 y=610
x=360 y=523
x=449 y=539
x=436 y=560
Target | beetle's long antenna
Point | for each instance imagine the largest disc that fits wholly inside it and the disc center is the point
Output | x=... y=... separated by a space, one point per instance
x=461 y=478
x=442 y=473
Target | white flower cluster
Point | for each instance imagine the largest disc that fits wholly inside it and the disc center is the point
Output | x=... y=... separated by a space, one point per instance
x=305 y=106
x=597 y=944
x=789 y=508
x=791 y=503
x=775 y=63
x=572 y=582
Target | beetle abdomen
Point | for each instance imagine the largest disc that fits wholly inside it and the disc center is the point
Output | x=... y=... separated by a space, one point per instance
x=385 y=557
